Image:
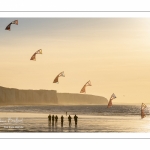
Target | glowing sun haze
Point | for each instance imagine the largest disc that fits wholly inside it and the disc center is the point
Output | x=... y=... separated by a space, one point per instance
x=113 y=53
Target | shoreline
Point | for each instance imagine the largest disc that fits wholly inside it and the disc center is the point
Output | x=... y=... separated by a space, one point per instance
x=45 y=115
x=45 y=104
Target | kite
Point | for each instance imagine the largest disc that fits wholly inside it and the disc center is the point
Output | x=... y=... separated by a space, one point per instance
x=86 y=84
x=13 y=22
x=34 y=55
x=113 y=96
x=59 y=75
x=143 y=106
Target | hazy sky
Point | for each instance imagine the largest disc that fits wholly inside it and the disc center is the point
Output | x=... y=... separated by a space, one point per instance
x=114 y=53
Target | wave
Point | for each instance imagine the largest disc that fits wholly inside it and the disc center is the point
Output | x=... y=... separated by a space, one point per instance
x=102 y=110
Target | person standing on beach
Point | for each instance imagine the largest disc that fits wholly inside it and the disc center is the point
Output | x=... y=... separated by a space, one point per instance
x=53 y=120
x=56 y=118
x=69 y=119
x=66 y=113
x=62 y=120
x=49 y=118
x=75 y=119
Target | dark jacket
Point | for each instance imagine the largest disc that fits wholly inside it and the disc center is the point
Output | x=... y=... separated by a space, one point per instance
x=69 y=118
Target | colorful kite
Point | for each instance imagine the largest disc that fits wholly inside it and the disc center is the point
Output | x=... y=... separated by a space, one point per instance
x=113 y=96
x=13 y=22
x=59 y=75
x=84 y=87
x=34 y=55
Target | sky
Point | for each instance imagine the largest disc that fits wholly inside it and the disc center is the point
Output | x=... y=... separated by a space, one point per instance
x=113 y=53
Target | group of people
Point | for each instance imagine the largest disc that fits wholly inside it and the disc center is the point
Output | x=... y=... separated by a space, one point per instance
x=75 y=119
x=52 y=118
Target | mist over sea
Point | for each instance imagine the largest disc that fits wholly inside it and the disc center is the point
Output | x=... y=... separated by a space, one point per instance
x=91 y=118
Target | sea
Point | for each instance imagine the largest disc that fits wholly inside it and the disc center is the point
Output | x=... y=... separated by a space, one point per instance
x=91 y=118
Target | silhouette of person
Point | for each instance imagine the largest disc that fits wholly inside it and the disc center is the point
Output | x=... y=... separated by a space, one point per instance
x=69 y=119
x=56 y=118
x=62 y=120
x=75 y=119
x=49 y=117
x=53 y=120
x=66 y=113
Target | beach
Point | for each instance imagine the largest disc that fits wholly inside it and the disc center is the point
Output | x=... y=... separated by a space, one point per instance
x=90 y=119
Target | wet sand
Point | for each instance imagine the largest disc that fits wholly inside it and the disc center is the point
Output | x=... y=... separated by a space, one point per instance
x=38 y=122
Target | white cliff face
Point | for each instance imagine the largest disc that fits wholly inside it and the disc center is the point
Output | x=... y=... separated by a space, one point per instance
x=80 y=99
x=10 y=96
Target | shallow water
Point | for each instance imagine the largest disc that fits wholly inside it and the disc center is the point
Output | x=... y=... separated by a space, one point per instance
x=124 y=118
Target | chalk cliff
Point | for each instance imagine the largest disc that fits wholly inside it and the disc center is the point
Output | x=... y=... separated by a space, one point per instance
x=11 y=96
x=80 y=99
